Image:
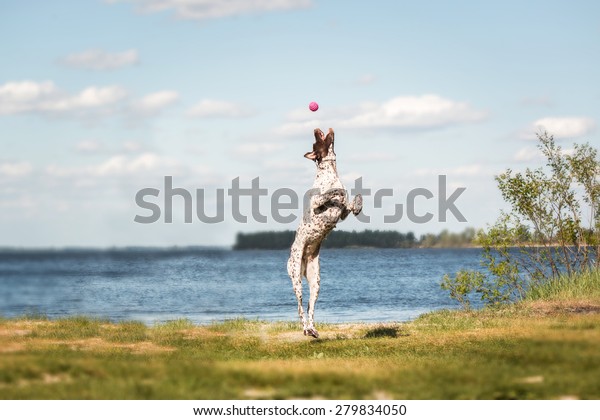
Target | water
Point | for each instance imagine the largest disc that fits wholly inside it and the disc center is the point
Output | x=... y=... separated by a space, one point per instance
x=357 y=285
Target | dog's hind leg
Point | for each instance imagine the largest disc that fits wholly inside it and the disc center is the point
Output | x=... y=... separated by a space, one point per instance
x=313 y=276
x=295 y=271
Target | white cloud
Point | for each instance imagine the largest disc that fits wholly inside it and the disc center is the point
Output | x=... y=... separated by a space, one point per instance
x=132 y=146
x=533 y=154
x=209 y=108
x=153 y=103
x=469 y=170
x=29 y=96
x=213 y=9
x=473 y=170
x=88 y=146
x=96 y=147
x=46 y=98
x=124 y=165
x=300 y=164
x=257 y=148
x=101 y=60
x=567 y=152
x=372 y=157
x=402 y=112
x=117 y=165
x=527 y=154
x=560 y=127
x=90 y=98
x=349 y=177
x=20 y=203
x=298 y=128
x=15 y=169
x=24 y=96
x=26 y=90
x=414 y=111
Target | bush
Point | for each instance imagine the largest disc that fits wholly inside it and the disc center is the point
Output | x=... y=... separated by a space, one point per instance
x=553 y=227
x=462 y=285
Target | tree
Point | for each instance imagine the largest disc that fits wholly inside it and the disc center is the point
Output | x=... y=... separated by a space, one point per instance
x=553 y=226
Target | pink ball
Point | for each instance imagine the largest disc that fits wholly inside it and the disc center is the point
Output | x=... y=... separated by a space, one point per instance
x=313 y=106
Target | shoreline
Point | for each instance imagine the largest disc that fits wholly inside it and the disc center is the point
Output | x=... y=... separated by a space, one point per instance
x=195 y=248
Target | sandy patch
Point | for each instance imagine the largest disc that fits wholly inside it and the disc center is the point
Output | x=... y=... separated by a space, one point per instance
x=531 y=380
x=92 y=344
x=256 y=394
x=571 y=306
x=14 y=332
x=11 y=347
x=45 y=379
x=195 y=333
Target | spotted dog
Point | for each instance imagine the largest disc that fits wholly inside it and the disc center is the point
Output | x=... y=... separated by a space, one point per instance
x=327 y=207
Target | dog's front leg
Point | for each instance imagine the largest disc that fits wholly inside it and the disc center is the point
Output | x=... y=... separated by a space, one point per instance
x=355 y=207
x=320 y=200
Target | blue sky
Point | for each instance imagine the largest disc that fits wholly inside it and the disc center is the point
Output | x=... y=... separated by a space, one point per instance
x=99 y=99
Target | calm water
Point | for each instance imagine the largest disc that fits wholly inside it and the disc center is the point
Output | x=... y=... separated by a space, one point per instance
x=209 y=285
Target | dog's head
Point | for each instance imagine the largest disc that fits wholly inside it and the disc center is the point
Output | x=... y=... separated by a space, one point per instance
x=323 y=146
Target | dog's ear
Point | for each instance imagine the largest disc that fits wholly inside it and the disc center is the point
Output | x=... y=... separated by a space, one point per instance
x=319 y=136
x=311 y=155
x=329 y=137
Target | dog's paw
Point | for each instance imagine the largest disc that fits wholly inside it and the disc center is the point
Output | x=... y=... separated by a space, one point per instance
x=357 y=205
x=311 y=332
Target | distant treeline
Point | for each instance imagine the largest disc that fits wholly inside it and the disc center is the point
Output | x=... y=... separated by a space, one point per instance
x=364 y=239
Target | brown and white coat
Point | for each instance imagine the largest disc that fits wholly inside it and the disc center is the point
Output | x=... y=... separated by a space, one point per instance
x=327 y=207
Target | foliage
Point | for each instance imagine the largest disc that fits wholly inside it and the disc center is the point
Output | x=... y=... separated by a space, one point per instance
x=336 y=239
x=367 y=238
x=553 y=227
x=582 y=286
x=446 y=239
x=264 y=240
x=462 y=285
x=370 y=238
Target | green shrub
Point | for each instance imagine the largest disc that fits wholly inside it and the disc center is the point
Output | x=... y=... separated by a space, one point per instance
x=552 y=229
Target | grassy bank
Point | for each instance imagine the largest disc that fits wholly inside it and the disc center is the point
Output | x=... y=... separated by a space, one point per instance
x=542 y=348
x=585 y=285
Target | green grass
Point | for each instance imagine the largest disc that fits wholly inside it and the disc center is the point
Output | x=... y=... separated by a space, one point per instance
x=538 y=349
x=584 y=285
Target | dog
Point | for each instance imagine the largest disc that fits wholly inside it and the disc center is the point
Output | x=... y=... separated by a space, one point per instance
x=327 y=207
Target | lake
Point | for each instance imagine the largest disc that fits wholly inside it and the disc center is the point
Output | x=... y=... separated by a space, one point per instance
x=204 y=285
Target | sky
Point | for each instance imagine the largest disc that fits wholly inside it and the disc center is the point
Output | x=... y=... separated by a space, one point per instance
x=102 y=99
